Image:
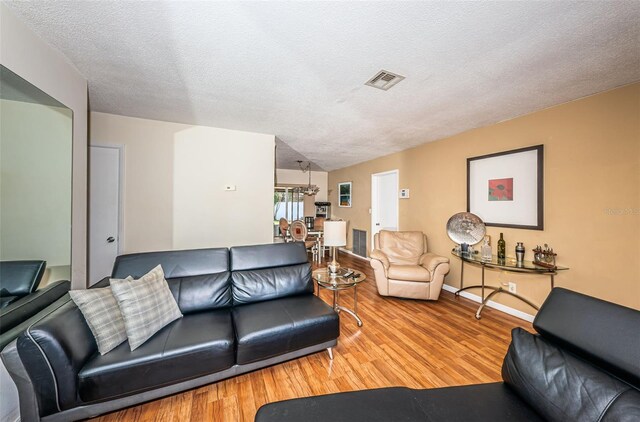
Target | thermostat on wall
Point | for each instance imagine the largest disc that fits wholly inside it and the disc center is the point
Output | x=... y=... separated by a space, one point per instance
x=404 y=193
x=229 y=187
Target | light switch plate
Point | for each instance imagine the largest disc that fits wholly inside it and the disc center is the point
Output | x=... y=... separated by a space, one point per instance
x=404 y=193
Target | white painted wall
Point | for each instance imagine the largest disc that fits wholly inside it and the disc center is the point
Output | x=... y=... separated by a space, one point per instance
x=204 y=214
x=297 y=177
x=35 y=184
x=30 y=57
x=27 y=55
x=174 y=177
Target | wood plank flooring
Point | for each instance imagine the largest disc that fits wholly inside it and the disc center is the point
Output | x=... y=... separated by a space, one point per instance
x=410 y=343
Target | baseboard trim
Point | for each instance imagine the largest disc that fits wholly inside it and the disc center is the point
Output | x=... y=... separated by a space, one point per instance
x=350 y=252
x=491 y=304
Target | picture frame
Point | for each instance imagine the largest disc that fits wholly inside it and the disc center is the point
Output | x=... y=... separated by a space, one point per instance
x=344 y=194
x=506 y=189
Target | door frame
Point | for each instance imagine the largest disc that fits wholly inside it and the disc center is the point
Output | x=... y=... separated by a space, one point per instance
x=374 y=200
x=121 y=173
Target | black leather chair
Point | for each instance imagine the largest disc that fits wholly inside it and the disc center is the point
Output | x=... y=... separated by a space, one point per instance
x=583 y=365
x=18 y=279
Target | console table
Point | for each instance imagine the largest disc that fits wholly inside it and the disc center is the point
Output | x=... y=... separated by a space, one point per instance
x=509 y=264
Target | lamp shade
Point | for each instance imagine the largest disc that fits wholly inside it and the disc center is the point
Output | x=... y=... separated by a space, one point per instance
x=335 y=233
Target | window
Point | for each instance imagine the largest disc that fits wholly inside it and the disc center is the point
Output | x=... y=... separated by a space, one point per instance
x=288 y=202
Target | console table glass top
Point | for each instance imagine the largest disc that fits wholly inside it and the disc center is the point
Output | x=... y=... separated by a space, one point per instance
x=508 y=264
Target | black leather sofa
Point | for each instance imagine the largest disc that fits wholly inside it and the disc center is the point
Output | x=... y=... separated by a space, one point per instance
x=18 y=279
x=244 y=308
x=17 y=316
x=582 y=365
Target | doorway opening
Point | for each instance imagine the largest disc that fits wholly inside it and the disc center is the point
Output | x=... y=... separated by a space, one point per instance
x=384 y=202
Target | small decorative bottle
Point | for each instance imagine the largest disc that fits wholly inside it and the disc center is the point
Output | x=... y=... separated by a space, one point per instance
x=502 y=254
x=486 y=250
x=520 y=252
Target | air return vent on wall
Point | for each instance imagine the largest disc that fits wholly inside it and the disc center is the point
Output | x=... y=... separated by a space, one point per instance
x=384 y=80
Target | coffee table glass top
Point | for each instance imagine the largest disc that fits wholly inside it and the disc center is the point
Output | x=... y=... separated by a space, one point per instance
x=338 y=281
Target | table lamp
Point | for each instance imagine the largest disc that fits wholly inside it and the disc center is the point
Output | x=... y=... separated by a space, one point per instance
x=335 y=234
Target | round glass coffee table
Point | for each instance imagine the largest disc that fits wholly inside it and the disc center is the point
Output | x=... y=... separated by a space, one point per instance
x=341 y=281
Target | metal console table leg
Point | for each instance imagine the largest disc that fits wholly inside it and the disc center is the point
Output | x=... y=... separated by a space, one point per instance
x=495 y=291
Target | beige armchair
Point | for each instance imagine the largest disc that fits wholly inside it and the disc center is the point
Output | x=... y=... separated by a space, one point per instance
x=404 y=268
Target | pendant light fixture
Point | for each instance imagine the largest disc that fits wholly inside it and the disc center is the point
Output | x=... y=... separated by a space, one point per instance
x=310 y=189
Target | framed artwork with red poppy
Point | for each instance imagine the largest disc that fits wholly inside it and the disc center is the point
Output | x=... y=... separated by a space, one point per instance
x=505 y=189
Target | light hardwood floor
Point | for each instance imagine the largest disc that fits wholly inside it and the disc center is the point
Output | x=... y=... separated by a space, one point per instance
x=411 y=343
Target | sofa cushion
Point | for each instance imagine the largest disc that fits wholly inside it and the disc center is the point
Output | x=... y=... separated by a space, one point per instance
x=202 y=292
x=272 y=328
x=408 y=273
x=484 y=402
x=267 y=256
x=176 y=264
x=146 y=304
x=592 y=335
x=271 y=283
x=102 y=313
x=626 y=408
x=192 y=346
x=560 y=386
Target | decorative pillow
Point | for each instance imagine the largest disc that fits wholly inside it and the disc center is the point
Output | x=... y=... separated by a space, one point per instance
x=103 y=316
x=147 y=305
x=559 y=385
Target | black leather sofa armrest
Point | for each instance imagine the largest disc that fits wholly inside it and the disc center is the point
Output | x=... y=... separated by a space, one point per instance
x=53 y=350
x=19 y=278
x=27 y=306
x=102 y=283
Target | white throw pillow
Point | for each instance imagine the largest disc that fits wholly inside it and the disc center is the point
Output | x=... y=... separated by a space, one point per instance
x=147 y=305
x=102 y=313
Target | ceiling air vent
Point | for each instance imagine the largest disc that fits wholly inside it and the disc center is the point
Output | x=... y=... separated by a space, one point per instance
x=384 y=80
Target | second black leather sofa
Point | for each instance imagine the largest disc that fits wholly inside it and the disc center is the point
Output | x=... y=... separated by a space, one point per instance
x=244 y=309
x=583 y=365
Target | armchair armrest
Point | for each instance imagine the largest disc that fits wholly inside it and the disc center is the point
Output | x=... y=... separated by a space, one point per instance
x=430 y=261
x=377 y=254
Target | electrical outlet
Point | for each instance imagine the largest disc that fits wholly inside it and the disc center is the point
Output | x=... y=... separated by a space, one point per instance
x=512 y=287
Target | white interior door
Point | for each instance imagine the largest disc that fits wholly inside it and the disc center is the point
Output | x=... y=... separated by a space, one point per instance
x=104 y=210
x=384 y=202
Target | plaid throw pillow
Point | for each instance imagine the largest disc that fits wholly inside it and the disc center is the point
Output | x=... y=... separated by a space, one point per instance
x=147 y=305
x=101 y=311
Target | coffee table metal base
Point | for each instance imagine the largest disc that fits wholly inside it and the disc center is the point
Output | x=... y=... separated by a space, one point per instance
x=354 y=312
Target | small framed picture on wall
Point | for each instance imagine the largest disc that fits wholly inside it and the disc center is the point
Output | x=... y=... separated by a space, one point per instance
x=344 y=194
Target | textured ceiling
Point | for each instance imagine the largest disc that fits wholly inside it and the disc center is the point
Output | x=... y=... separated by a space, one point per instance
x=297 y=70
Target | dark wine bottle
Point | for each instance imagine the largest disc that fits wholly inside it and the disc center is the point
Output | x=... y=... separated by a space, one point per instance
x=501 y=248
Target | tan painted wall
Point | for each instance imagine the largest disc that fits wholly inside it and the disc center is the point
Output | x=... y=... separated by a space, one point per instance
x=174 y=181
x=592 y=194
